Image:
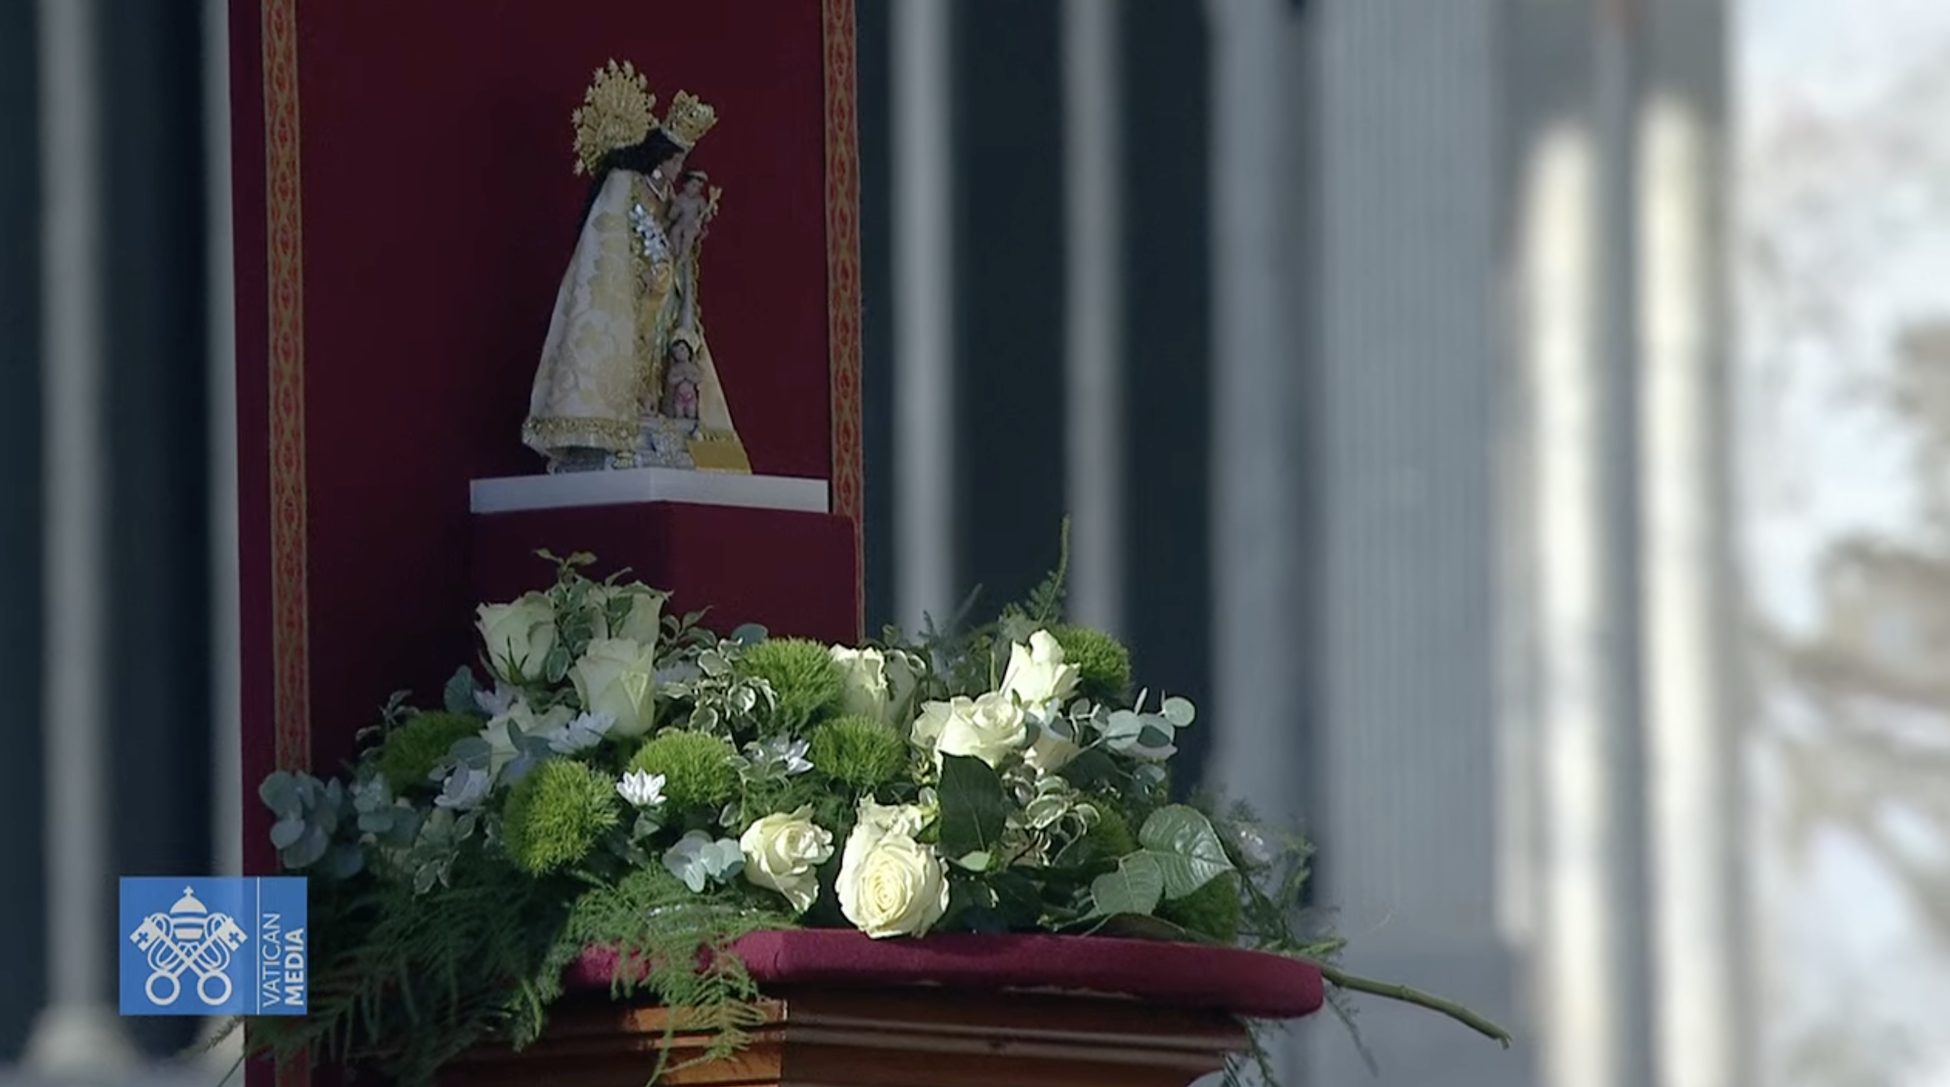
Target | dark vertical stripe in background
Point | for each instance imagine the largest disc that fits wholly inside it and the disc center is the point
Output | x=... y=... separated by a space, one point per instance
x=1167 y=338
x=1009 y=403
x=22 y=971
x=157 y=346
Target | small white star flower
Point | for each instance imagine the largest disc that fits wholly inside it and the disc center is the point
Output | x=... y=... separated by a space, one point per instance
x=642 y=790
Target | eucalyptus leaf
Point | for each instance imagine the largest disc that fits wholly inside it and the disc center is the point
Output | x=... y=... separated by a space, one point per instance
x=749 y=634
x=279 y=792
x=343 y=861
x=1179 y=711
x=285 y=832
x=458 y=696
x=310 y=846
x=1135 y=887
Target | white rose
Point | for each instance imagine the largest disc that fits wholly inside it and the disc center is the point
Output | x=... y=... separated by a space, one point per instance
x=986 y=728
x=1050 y=752
x=781 y=852
x=1037 y=675
x=501 y=744
x=877 y=820
x=877 y=684
x=616 y=676
x=641 y=624
x=518 y=636
x=890 y=885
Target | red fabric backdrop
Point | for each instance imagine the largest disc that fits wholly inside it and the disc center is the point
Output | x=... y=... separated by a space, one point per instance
x=438 y=211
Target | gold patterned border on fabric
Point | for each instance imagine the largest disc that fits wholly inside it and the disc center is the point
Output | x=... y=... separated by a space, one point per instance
x=289 y=603
x=843 y=276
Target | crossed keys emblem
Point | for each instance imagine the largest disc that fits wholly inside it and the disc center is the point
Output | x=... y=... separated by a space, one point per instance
x=188 y=939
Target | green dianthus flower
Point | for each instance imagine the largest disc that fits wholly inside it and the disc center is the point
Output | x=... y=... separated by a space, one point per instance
x=696 y=767
x=557 y=814
x=804 y=677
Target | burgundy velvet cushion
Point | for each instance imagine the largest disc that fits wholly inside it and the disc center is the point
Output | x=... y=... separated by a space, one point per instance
x=1247 y=983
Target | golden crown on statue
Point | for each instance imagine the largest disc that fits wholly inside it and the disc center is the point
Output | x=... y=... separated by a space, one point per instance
x=688 y=120
x=617 y=110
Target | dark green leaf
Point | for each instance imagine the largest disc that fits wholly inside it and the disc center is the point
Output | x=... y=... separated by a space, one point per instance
x=1017 y=898
x=1090 y=770
x=973 y=808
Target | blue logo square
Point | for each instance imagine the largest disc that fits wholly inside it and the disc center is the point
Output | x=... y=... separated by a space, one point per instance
x=214 y=945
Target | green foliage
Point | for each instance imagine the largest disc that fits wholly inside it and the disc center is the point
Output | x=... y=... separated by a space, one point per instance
x=674 y=944
x=1044 y=605
x=1212 y=911
x=557 y=815
x=859 y=752
x=1111 y=834
x=411 y=750
x=973 y=808
x=804 y=679
x=402 y=983
x=697 y=768
x=1103 y=664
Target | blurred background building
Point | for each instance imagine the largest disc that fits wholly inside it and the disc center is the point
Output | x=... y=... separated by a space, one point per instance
x=1521 y=425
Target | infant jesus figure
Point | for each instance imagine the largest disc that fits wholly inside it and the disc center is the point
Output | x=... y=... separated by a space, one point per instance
x=681 y=378
x=690 y=208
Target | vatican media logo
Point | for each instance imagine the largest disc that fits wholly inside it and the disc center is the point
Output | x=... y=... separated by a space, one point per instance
x=214 y=946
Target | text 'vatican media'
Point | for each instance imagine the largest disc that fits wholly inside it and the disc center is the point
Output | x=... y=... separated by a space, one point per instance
x=207 y=945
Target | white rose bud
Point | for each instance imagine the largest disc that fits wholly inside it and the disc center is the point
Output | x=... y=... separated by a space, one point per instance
x=518 y=636
x=877 y=820
x=1050 y=752
x=501 y=744
x=986 y=728
x=1037 y=675
x=781 y=853
x=890 y=885
x=877 y=684
x=616 y=676
x=643 y=622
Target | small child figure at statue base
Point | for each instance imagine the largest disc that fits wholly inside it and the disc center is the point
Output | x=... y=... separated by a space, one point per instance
x=681 y=379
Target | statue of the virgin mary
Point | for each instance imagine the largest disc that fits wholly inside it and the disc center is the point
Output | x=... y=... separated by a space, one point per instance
x=626 y=377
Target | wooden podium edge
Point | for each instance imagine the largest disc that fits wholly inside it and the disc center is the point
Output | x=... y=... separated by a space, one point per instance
x=867 y=1038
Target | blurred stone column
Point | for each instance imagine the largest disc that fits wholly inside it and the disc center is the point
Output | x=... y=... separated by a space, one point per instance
x=1093 y=254
x=924 y=260
x=79 y=1031
x=1256 y=471
x=1257 y=474
x=1692 y=677
x=1407 y=414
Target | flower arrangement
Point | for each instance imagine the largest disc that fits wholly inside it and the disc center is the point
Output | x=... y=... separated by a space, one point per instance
x=614 y=776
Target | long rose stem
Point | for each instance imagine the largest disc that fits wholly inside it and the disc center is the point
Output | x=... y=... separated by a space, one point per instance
x=1342 y=979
